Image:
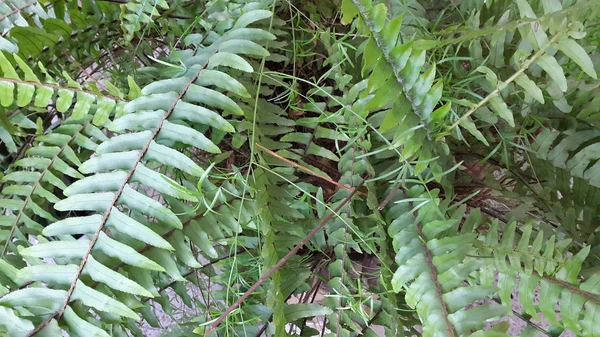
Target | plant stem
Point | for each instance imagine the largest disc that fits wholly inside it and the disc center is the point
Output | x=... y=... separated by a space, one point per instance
x=526 y=65
x=281 y=262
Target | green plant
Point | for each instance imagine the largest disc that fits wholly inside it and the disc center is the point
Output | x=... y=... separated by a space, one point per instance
x=280 y=167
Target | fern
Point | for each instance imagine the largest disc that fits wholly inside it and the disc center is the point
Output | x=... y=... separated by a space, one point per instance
x=396 y=67
x=571 y=152
x=543 y=41
x=37 y=177
x=433 y=267
x=544 y=255
x=18 y=93
x=165 y=103
x=138 y=13
x=543 y=263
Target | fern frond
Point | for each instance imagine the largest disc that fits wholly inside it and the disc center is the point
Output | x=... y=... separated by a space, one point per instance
x=579 y=302
x=433 y=268
x=14 y=13
x=124 y=159
x=399 y=82
x=18 y=92
x=543 y=43
x=32 y=25
x=542 y=264
x=28 y=188
x=544 y=255
x=138 y=13
x=576 y=152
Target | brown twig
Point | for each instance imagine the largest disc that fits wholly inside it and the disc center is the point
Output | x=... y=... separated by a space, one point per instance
x=283 y=260
x=309 y=171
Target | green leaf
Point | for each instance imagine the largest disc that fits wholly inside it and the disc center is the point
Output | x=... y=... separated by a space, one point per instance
x=24 y=94
x=7 y=69
x=186 y=135
x=349 y=11
x=100 y=273
x=250 y=17
x=64 y=100
x=73 y=225
x=57 y=249
x=99 y=202
x=244 y=47
x=48 y=300
x=5 y=136
x=82 y=107
x=470 y=126
x=576 y=53
x=502 y=109
x=14 y=325
x=97 y=183
x=126 y=225
x=146 y=205
x=134 y=89
x=222 y=80
x=159 y=182
x=8 y=270
x=197 y=114
x=7 y=45
x=43 y=96
x=164 y=259
x=52 y=274
x=125 y=253
x=530 y=87
x=110 y=161
x=167 y=156
x=125 y=142
x=554 y=70
x=229 y=60
x=213 y=98
x=296 y=311
x=6 y=93
x=199 y=237
x=81 y=327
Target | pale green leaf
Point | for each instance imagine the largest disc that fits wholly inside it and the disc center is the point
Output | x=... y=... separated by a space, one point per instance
x=554 y=70
x=186 y=135
x=86 y=202
x=47 y=273
x=100 y=273
x=14 y=325
x=250 y=17
x=167 y=156
x=74 y=225
x=197 y=114
x=229 y=60
x=124 y=253
x=576 y=53
x=502 y=109
x=530 y=87
x=80 y=327
x=126 y=225
x=43 y=298
x=296 y=311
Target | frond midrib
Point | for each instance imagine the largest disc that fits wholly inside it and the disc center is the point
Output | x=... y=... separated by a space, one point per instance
x=571 y=287
x=434 y=278
x=396 y=71
x=117 y=195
